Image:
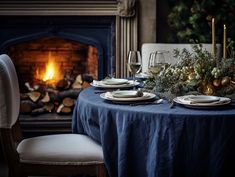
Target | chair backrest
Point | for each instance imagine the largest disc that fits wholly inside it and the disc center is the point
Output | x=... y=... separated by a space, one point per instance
x=9 y=93
x=148 y=48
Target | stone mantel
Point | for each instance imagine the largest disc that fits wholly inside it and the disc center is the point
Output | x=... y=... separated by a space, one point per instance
x=32 y=7
x=124 y=11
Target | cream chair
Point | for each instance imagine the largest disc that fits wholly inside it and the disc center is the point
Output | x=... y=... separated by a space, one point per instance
x=147 y=48
x=51 y=155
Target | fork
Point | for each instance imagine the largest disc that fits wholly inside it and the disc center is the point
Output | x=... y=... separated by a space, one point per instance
x=147 y=102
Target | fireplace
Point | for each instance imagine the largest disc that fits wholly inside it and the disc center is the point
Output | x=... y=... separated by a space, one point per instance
x=79 y=48
x=90 y=38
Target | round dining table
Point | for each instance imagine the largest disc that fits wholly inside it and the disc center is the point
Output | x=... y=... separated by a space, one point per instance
x=156 y=140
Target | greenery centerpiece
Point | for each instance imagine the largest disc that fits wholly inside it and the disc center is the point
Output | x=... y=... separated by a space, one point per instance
x=196 y=72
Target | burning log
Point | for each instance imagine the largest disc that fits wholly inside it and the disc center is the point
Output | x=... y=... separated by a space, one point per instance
x=86 y=84
x=66 y=106
x=72 y=93
x=46 y=98
x=59 y=108
x=63 y=84
x=38 y=111
x=88 y=78
x=53 y=97
x=78 y=82
x=69 y=102
x=24 y=96
x=49 y=107
x=52 y=90
x=34 y=95
x=64 y=109
x=26 y=106
x=46 y=108
x=28 y=86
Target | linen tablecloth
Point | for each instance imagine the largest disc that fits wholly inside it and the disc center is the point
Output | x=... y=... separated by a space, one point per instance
x=159 y=141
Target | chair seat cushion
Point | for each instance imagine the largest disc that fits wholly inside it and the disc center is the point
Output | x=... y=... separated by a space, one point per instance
x=61 y=149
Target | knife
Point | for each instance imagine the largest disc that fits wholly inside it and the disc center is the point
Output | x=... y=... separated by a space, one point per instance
x=147 y=102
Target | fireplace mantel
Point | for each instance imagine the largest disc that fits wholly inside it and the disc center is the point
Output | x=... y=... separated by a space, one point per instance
x=33 y=7
x=126 y=26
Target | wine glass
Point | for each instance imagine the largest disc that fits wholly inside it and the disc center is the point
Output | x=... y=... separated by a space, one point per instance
x=134 y=63
x=157 y=62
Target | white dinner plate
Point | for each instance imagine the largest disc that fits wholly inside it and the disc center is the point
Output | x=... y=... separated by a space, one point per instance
x=109 y=96
x=221 y=101
x=100 y=84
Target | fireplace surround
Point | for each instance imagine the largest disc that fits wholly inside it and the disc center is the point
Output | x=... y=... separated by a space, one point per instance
x=123 y=11
x=34 y=19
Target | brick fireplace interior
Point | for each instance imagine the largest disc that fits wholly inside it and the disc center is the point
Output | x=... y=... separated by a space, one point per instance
x=70 y=58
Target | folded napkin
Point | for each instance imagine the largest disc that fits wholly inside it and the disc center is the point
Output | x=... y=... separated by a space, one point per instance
x=114 y=81
x=127 y=93
x=97 y=83
x=192 y=99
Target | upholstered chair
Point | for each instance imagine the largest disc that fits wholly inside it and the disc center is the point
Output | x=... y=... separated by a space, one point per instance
x=49 y=155
x=148 y=48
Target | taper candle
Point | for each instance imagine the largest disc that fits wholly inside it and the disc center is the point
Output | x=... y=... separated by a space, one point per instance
x=213 y=36
x=225 y=43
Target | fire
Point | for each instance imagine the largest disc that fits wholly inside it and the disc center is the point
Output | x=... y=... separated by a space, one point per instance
x=51 y=72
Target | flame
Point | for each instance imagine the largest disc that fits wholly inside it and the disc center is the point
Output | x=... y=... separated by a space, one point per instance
x=50 y=71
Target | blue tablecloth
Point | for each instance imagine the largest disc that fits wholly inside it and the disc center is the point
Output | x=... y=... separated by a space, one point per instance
x=158 y=141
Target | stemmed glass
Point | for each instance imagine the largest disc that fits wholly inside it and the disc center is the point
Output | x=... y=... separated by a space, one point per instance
x=157 y=62
x=134 y=63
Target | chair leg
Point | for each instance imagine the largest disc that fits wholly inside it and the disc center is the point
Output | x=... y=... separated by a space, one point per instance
x=13 y=173
x=101 y=171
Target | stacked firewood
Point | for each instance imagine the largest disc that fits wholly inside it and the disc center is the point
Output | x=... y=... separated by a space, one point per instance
x=58 y=97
